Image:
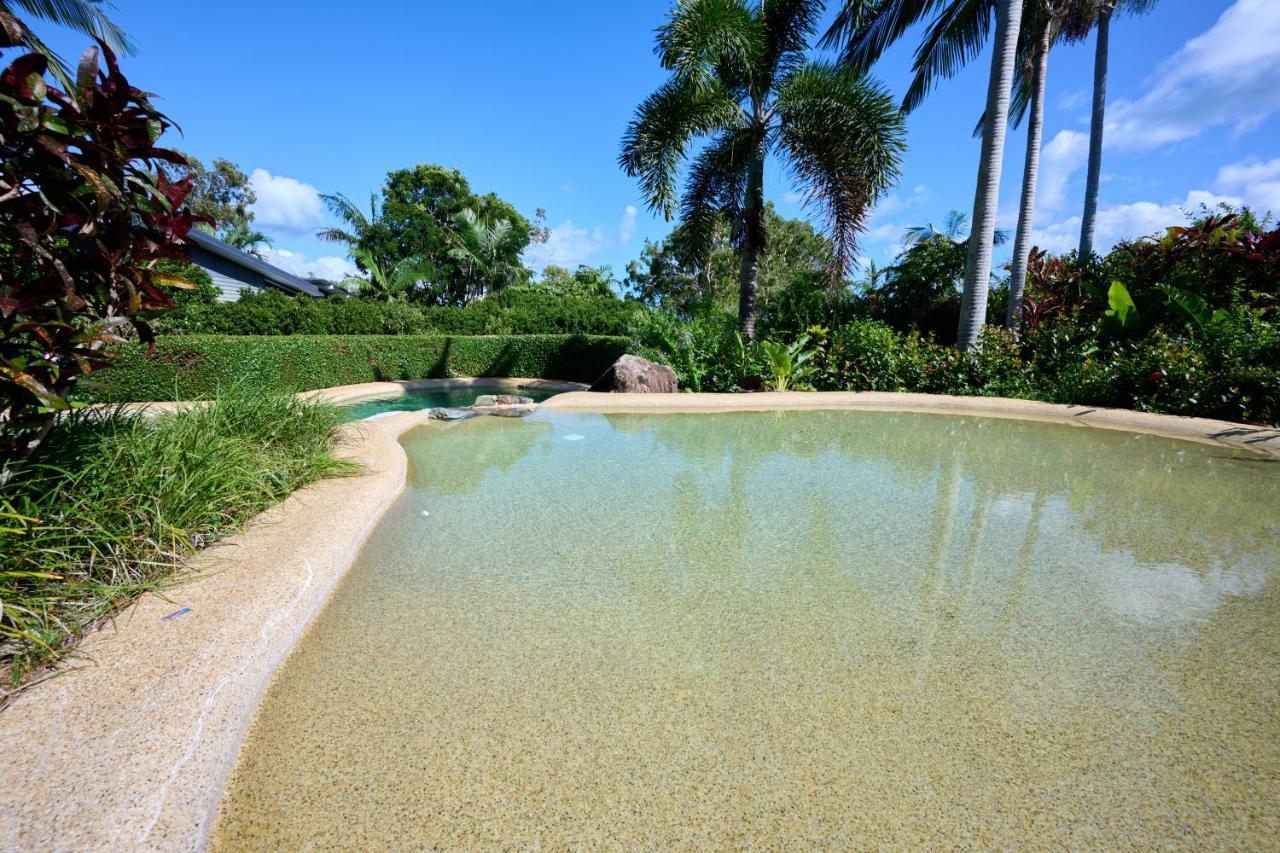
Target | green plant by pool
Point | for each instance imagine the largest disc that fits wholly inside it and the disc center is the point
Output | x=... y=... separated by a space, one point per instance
x=792 y=629
x=428 y=398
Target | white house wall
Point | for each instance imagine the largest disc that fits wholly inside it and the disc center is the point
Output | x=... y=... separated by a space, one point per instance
x=228 y=278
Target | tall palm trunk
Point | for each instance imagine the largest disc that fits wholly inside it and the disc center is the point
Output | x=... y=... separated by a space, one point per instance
x=1030 y=176
x=977 y=278
x=752 y=242
x=1095 y=133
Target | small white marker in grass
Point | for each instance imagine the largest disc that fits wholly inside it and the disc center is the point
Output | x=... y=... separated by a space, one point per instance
x=426 y=514
x=574 y=437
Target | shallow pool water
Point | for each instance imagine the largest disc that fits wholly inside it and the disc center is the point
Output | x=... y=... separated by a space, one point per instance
x=835 y=629
x=428 y=398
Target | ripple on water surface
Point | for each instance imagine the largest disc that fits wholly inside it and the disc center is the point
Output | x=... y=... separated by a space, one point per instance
x=814 y=628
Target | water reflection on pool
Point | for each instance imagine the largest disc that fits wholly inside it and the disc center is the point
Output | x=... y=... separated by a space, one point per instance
x=801 y=628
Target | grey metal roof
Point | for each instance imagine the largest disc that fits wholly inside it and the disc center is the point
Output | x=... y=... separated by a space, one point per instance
x=274 y=275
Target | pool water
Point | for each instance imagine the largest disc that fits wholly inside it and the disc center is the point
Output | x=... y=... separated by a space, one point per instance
x=837 y=629
x=429 y=398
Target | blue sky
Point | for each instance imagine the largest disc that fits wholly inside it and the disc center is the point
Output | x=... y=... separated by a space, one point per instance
x=530 y=100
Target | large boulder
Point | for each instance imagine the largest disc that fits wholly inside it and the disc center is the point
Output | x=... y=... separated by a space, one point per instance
x=632 y=374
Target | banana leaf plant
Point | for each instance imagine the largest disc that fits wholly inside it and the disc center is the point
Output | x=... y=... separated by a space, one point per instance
x=787 y=363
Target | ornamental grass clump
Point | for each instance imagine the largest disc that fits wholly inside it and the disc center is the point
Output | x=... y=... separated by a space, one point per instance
x=113 y=505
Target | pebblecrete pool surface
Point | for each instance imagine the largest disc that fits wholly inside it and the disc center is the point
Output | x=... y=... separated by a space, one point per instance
x=836 y=629
x=428 y=398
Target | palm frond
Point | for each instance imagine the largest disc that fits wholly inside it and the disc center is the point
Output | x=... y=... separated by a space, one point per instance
x=710 y=36
x=843 y=137
x=346 y=210
x=867 y=31
x=788 y=27
x=87 y=17
x=950 y=43
x=657 y=139
x=714 y=191
x=955 y=224
x=337 y=235
x=852 y=17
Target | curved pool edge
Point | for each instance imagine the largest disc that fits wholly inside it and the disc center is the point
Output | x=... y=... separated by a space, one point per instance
x=132 y=743
x=1204 y=430
x=364 y=391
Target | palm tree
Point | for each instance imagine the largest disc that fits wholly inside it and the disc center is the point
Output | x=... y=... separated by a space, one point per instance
x=481 y=250
x=953 y=39
x=246 y=238
x=740 y=76
x=1044 y=22
x=955 y=228
x=977 y=278
x=355 y=225
x=873 y=277
x=864 y=29
x=87 y=17
x=387 y=283
x=1105 y=10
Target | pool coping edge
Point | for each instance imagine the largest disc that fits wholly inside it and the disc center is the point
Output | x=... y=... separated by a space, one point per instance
x=132 y=743
x=1204 y=430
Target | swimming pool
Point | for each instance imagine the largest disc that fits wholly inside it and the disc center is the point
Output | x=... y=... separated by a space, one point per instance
x=427 y=398
x=833 y=628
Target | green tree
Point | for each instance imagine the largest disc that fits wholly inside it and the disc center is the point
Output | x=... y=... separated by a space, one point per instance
x=796 y=255
x=583 y=282
x=740 y=75
x=246 y=239
x=223 y=194
x=484 y=252
x=419 y=217
x=921 y=289
x=388 y=282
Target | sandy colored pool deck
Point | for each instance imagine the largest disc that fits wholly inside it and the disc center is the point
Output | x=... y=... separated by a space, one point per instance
x=132 y=746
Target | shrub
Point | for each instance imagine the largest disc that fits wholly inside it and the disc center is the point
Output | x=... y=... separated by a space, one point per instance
x=519 y=311
x=111 y=505
x=1231 y=373
x=91 y=216
x=706 y=352
x=198 y=366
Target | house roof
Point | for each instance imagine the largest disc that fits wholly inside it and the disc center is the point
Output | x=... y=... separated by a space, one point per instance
x=273 y=274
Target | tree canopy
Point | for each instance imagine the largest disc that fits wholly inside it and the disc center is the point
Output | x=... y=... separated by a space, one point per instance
x=796 y=255
x=423 y=215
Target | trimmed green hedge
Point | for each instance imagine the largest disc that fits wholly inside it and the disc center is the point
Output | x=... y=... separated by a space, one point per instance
x=190 y=367
x=518 y=311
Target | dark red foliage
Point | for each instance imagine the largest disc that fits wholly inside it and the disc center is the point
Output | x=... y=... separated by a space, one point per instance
x=85 y=216
x=1055 y=284
x=1221 y=257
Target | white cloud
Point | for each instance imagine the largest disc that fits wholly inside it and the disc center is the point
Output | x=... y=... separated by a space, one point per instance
x=627 y=228
x=1224 y=76
x=1257 y=182
x=1063 y=155
x=885 y=231
x=1124 y=221
x=567 y=246
x=330 y=267
x=793 y=197
x=285 y=203
x=570 y=246
x=897 y=201
x=1074 y=100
